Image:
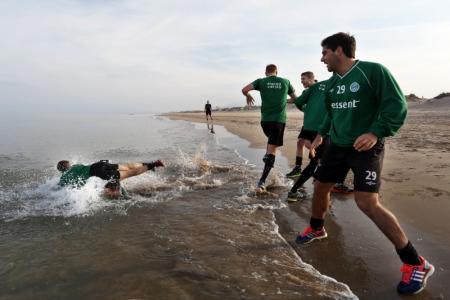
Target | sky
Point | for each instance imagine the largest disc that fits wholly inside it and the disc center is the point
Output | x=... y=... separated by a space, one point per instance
x=136 y=56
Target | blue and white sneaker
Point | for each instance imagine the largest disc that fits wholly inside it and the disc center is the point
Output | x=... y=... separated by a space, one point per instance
x=310 y=235
x=414 y=278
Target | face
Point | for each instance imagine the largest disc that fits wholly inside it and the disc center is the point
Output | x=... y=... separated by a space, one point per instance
x=329 y=58
x=111 y=194
x=306 y=81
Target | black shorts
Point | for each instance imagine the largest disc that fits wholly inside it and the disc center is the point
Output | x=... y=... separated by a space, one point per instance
x=274 y=131
x=105 y=170
x=307 y=134
x=366 y=166
x=208 y=112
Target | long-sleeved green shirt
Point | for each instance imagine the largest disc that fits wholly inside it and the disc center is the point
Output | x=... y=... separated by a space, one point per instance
x=365 y=99
x=312 y=103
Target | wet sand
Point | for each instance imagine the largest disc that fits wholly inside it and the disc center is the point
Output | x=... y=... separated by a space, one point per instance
x=415 y=187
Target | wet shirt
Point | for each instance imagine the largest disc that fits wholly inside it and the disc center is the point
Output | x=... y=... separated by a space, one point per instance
x=77 y=175
x=312 y=103
x=365 y=99
x=208 y=107
x=274 y=91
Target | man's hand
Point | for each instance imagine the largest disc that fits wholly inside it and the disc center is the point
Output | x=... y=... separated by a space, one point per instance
x=250 y=100
x=365 y=142
x=316 y=143
x=154 y=164
x=290 y=100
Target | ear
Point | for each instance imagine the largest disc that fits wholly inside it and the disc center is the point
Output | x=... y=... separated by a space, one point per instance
x=339 y=51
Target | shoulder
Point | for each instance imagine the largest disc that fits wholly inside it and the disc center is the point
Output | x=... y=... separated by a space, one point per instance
x=370 y=67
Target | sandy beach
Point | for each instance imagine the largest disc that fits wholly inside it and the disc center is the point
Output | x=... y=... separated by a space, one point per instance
x=415 y=187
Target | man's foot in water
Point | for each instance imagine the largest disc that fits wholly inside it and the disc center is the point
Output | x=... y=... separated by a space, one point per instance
x=296 y=171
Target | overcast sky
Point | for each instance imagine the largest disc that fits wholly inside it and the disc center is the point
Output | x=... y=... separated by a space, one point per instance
x=157 y=56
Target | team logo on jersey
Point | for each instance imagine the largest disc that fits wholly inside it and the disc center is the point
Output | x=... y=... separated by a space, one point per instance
x=322 y=87
x=354 y=87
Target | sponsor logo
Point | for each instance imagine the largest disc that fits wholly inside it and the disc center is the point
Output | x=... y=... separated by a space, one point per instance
x=274 y=85
x=345 y=104
x=354 y=87
x=371 y=183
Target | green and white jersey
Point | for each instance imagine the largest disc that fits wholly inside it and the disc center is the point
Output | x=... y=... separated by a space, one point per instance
x=274 y=91
x=312 y=103
x=365 y=99
x=77 y=176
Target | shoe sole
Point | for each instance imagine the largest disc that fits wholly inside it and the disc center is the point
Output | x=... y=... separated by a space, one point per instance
x=293 y=176
x=425 y=279
x=292 y=200
x=313 y=239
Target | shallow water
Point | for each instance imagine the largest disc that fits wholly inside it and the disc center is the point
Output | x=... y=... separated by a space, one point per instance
x=193 y=230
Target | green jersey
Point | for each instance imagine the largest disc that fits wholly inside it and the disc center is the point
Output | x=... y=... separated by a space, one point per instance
x=365 y=99
x=274 y=91
x=312 y=103
x=77 y=175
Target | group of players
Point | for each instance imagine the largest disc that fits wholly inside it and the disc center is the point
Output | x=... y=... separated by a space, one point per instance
x=346 y=119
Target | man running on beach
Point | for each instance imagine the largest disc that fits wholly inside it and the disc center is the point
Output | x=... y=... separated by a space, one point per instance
x=208 y=110
x=364 y=105
x=77 y=175
x=274 y=91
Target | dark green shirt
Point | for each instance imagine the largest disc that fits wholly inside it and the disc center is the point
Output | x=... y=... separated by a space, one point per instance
x=77 y=176
x=274 y=91
x=312 y=103
x=365 y=99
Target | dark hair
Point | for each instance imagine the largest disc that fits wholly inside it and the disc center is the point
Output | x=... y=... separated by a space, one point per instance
x=308 y=74
x=341 y=39
x=113 y=185
x=271 y=68
x=62 y=165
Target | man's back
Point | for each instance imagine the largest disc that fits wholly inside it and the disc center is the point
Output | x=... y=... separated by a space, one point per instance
x=77 y=175
x=274 y=91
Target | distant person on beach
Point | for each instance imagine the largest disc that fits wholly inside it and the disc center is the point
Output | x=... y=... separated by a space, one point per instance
x=312 y=103
x=77 y=175
x=208 y=110
x=364 y=105
x=274 y=91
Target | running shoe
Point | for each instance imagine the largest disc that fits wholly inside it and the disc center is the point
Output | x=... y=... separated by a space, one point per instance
x=310 y=235
x=341 y=188
x=294 y=197
x=262 y=186
x=296 y=171
x=414 y=278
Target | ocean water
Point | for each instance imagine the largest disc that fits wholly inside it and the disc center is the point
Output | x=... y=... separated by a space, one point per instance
x=195 y=229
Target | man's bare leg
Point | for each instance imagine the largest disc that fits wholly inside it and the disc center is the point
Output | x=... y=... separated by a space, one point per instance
x=321 y=199
x=388 y=224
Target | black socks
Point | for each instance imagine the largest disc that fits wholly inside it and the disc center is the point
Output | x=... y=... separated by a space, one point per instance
x=316 y=224
x=298 y=161
x=409 y=255
x=305 y=175
x=269 y=160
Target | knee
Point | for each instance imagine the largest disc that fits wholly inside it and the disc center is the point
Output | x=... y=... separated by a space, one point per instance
x=367 y=202
x=321 y=189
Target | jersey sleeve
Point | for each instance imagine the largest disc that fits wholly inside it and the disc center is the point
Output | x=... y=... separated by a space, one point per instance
x=302 y=99
x=392 y=103
x=257 y=84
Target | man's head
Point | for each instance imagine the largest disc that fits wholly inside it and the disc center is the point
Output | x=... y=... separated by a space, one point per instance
x=271 y=70
x=112 y=190
x=337 y=48
x=63 y=165
x=207 y=101
x=307 y=79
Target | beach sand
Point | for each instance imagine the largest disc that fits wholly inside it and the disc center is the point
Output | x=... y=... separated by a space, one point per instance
x=415 y=187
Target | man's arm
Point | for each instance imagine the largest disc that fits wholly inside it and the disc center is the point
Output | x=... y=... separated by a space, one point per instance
x=293 y=97
x=249 y=87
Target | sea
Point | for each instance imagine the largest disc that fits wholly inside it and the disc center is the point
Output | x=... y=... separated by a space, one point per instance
x=195 y=229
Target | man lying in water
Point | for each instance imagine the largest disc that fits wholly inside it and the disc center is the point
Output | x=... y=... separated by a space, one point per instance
x=77 y=175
